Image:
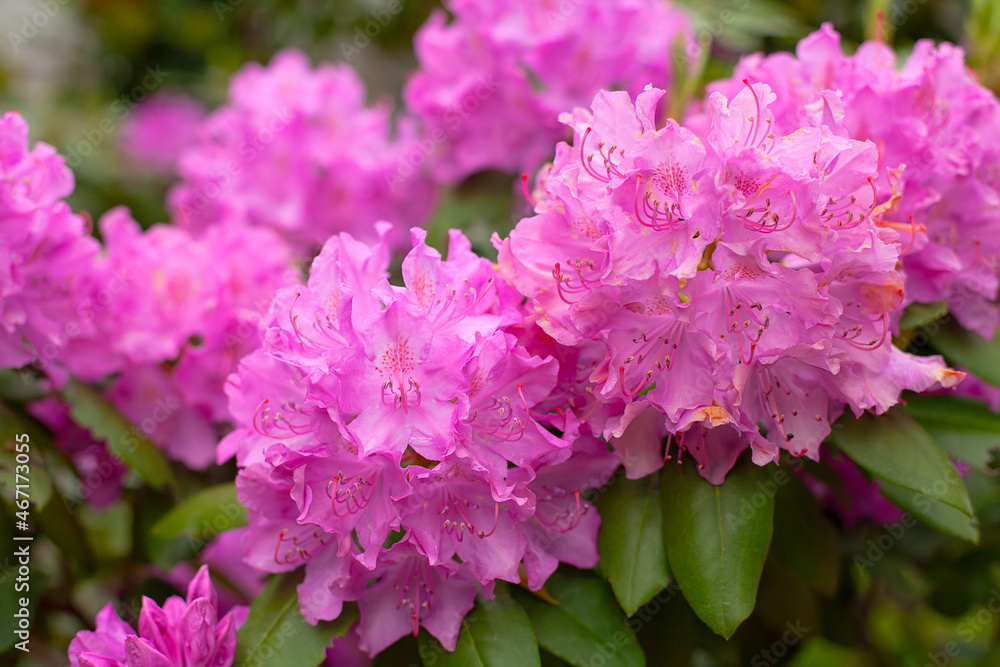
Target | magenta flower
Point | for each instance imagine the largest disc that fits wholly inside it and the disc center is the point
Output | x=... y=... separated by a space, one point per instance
x=408 y=415
x=493 y=80
x=46 y=254
x=936 y=179
x=737 y=283
x=409 y=592
x=177 y=314
x=159 y=130
x=183 y=633
x=297 y=151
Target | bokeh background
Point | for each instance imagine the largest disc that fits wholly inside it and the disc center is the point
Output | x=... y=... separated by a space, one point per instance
x=84 y=69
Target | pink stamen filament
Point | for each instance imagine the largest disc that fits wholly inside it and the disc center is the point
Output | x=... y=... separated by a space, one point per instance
x=527 y=192
x=298 y=552
x=265 y=430
x=585 y=160
x=755 y=121
x=851 y=334
x=340 y=491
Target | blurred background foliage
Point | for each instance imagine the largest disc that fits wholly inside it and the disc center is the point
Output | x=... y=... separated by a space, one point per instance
x=925 y=593
x=91 y=54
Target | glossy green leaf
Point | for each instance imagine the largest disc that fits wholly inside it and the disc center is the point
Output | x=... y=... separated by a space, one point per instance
x=203 y=514
x=275 y=632
x=586 y=625
x=969 y=350
x=496 y=633
x=937 y=515
x=919 y=314
x=897 y=449
x=717 y=538
x=631 y=540
x=805 y=541
x=92 y=411
x=967 y=430
x=63 y=527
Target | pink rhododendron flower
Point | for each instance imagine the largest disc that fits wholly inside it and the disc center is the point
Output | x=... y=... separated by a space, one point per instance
x=297 y=151
x=737 y=283
x=46 y=253
x=407 y=415
x=936 y=179
x=494 y=78
x=183 y=633
x=159 y=129
x=178 y=312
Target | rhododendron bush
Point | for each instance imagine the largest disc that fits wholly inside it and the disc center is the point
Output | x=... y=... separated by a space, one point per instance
x=722 y=388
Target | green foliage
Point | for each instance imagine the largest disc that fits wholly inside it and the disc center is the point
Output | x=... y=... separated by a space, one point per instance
x=275 y=632
x=717 y=538
x=631 y=540
x=496 y=633
x=585 y=621
x=898 y=450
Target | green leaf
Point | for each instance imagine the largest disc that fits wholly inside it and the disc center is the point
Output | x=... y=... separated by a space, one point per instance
x=586 y=625
x=966 y=429
x=919 y=314
x=717 y=539
x=63 y=527
x=805 y=541
x=631 y=540
x=933 y=513
x=203 y=514
x=93 y=412
x=20 y=386
x=275 y=632
x=821 y=652
x=14 y=425
x=497 y=633
x=897 y=449
x=965 y=348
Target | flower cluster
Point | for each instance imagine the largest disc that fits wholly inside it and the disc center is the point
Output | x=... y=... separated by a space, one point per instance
x=390 y=434
x=493 y=80
x=740 y=284
x=187 y=310
x=185 y=633
x=158 y=131
x=296 y=150
x=45 y=252
x=937 y=180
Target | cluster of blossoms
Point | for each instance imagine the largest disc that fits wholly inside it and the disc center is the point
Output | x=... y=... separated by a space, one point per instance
x=184 y=633
x=296 y=150
x=386 y=430
x=46 y=252
x=172 y=316
x=937 y=179
x=167 y=314
x=159 y=130
x=739 y=283
x=493 y=80
x=727 y=283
